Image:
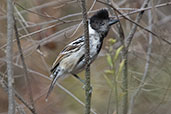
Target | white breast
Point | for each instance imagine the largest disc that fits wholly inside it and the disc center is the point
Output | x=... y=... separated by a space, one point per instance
x=94 y=41
x=91 y=30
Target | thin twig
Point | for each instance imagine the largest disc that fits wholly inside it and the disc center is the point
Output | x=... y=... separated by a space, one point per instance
x=92 y=6
x=137 y=20
x=124 y=106
x=141 y=85
x=42 y=15
x=164 y=97
x=133 y=30
x=78 y=14
x=58 y=84
x=124 y=84
x=9 y=54
x=156 y=36
x=23 y=23
x=148 y=8
x=27 y=79
x=45 y=5
x=43 y=29
x=17 y=95
x=21 y=17
x=124 y=55
x=88 y=90
x=68 y=16
x=46 y=77
x=19 y=108
x=4 y=85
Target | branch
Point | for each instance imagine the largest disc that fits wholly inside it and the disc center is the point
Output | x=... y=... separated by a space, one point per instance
x=147 y=8
x=134 y=28
x=87 y=73
x=58 y=84
x=27 y=79
x=77 y=20
x=9 y=54
x=42 y=15
x=92 y=6
x=156 y=36
x=141 y=85
x=125 y=71
x=5 y=87
x=19 y=108
x=45 y=5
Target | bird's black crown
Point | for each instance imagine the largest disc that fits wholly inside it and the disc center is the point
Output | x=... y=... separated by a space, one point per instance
x=99 y=22
x=101 y=14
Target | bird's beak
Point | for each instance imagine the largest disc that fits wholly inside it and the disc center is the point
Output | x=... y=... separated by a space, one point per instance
x=113 y=21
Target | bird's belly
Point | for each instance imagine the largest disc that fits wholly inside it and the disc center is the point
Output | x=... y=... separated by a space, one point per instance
x=70 y=62
x=73 y=63
x=93 y=54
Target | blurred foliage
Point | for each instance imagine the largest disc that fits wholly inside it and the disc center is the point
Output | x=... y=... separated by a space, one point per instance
x=112 y=75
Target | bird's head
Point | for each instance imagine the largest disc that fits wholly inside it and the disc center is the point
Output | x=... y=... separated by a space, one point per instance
x=101 y=22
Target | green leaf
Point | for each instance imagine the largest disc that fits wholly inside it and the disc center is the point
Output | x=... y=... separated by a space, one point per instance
x=109 y=71
x=108 y=81
x=112 y=41
x=118 y=52
x=109 y=60
x=121 y=66
x=121 y=94
x=120 y=69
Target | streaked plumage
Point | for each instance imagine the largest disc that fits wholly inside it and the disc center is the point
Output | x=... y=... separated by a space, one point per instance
x=72 y=59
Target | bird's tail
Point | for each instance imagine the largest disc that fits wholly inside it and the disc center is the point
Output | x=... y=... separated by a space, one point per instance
x=55 y=78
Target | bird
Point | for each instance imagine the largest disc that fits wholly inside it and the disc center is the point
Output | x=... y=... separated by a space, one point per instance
x=71 y=60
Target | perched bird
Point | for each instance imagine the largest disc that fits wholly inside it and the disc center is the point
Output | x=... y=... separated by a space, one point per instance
x=72 y=59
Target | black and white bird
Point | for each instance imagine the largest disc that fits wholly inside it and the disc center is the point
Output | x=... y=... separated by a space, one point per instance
x=71 y=59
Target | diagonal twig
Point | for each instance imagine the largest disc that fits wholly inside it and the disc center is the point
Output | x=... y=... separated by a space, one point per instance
x=27 y=79
x=156 y=36
x=125 y=71
x=141 y=85
x=137 y=20
x=17 y=95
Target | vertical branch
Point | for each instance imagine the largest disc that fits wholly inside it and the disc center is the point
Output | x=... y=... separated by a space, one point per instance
x=124 y=107
x=131 y=35
x=141 y=85
x=137 y=20
x=9 y=52
x=28 y=82
x=125 y=52
x=124 y=57
x=5 y=87
x=87 y=73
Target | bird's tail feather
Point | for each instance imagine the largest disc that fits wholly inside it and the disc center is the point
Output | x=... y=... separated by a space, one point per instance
x=55 y=78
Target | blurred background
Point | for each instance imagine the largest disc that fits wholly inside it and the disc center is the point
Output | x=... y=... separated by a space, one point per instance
x=46 y=26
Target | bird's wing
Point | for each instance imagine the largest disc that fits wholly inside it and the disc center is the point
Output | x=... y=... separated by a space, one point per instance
x=58 y=59
x=70 y=48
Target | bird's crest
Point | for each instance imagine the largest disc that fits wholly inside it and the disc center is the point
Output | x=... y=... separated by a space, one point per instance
x=101 y=14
